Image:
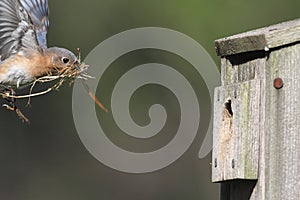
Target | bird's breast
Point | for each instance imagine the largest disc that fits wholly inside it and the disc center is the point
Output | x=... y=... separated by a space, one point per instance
x=19 y=70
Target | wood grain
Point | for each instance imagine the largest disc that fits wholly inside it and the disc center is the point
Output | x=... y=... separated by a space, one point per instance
x=261 y=134
x=236 y=131
x=262 y=39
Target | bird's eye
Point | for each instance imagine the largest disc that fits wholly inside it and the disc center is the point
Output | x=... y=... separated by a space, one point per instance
x=65 y=60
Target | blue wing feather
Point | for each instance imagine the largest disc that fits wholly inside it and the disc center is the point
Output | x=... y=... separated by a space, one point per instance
x=16 y=29
x=38 y=11
x=23 y=25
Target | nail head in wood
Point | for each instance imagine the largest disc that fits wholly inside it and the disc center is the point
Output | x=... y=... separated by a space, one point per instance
x=278 y=83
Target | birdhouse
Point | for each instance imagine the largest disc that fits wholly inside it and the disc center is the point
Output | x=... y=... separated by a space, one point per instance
x=256 y=147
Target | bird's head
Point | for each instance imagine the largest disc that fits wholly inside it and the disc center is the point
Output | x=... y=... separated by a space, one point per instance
x=62 y=58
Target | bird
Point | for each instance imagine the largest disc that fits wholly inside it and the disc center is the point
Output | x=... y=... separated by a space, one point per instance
x=24 y=53
x=23 y=43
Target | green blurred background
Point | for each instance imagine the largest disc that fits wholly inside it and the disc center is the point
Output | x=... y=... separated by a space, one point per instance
x=46 y=160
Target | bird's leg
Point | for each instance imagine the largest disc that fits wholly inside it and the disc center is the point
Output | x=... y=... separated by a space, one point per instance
x=10 y=103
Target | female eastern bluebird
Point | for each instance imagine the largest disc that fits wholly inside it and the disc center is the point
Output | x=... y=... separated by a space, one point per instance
x=23 y=44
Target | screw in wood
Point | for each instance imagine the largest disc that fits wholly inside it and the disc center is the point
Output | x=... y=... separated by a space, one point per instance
x=232 y=163
x=235 y=95
x=216 y=163
x=278 y=83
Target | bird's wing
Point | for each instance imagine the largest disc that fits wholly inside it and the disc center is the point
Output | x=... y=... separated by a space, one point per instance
x=19 y=27
x=38 y=11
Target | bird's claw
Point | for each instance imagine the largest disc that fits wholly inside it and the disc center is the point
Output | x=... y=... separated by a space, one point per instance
x=11 y=104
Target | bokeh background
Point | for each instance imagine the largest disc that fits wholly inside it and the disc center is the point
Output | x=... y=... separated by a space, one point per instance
x=46 y=160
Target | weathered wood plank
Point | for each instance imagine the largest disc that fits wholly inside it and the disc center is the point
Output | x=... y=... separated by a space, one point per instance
x=236 y=131
x=235 y=70
x=246 y=62
x=280 y=145
x=261 y=39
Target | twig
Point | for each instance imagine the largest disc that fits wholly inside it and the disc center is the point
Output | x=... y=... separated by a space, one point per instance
x=93 y=96
x=26 y=96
